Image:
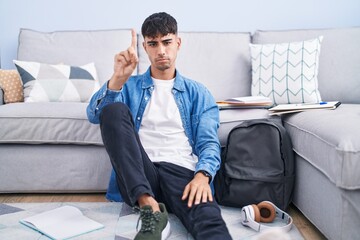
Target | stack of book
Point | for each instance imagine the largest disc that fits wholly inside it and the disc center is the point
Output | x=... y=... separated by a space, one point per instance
x=245 y=102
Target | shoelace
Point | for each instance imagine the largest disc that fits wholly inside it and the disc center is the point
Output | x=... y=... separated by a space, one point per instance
x=148 y=219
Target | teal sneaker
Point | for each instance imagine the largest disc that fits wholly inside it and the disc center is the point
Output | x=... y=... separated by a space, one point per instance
x=154 y=226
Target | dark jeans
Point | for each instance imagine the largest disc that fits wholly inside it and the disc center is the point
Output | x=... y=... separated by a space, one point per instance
x=137 y=175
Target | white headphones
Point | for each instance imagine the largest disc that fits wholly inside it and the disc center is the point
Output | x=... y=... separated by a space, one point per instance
x=266 y=212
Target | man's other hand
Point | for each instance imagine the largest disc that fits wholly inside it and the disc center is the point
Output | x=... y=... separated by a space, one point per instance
x=198 y=190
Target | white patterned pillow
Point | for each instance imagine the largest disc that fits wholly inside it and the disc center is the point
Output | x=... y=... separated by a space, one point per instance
x=57 y=83
x=286 y=72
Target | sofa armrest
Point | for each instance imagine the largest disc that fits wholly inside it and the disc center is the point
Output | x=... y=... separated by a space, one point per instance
x=1 y=96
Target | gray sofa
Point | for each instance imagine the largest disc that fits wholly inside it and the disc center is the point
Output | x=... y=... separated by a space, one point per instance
x=51 y=147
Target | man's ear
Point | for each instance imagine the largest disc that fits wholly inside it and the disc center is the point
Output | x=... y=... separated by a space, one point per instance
x=178 y=42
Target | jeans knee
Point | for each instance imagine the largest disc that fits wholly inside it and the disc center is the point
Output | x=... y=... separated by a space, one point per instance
x=113 y=111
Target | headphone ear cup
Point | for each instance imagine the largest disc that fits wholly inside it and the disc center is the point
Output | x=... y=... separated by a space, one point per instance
x=266 y=211
x=257 y=216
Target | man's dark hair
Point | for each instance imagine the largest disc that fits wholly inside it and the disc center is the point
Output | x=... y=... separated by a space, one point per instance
x=159 y=24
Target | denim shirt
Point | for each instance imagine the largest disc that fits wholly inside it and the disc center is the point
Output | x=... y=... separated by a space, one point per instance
x=198 y=110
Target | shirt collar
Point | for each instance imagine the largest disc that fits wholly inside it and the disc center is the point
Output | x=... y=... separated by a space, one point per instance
x=179 y=83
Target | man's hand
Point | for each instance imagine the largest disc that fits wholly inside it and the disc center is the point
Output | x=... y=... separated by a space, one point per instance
x=124 y=64
x=198 y=190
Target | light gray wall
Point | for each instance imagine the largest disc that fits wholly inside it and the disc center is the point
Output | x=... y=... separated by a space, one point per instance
x=192 y=15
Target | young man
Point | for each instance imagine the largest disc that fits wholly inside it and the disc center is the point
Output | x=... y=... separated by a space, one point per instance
x=160 y=131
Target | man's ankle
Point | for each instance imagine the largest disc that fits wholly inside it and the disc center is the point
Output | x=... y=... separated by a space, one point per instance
x=146 y=199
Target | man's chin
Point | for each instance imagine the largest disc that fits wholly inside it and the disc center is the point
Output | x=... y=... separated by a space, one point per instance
x=162 y=67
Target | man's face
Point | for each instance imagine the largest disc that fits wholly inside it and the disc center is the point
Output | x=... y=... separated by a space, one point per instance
x=162 y=51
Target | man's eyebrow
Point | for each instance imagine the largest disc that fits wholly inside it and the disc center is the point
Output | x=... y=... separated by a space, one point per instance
x=151 y=42
x=167 y=40
x=155 y=41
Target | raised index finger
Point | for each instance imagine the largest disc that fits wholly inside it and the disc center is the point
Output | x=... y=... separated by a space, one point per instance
x=133 y=39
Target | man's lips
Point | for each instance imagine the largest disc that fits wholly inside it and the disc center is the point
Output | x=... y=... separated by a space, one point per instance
x=161 y=59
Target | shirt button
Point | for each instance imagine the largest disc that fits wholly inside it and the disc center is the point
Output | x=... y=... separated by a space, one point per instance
x=97 y=109
x=146 y=98
x=138 y=118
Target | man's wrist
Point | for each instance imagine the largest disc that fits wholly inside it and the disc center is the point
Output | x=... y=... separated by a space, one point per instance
x=115 y=84
x=206 y=174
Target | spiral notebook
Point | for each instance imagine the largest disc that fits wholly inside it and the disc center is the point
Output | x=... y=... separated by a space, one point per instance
x=293 y=108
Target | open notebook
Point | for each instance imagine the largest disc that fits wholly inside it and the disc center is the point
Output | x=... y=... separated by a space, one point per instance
x=62 y=223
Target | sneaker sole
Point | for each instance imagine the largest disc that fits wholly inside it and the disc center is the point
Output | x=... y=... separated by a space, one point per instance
x=166 y=232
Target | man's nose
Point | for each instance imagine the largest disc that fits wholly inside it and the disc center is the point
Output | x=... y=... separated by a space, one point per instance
x=161 y=50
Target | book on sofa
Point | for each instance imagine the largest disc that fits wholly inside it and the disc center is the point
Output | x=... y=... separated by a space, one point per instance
x=62 y=223
x=299 y=107
x=245 y=102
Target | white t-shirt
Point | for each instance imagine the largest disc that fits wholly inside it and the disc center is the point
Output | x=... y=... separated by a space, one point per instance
x=161 y=131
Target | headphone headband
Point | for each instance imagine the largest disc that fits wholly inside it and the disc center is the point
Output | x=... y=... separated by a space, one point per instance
x=248 y=218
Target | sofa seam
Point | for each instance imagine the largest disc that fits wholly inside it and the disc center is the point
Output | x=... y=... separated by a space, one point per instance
x=40 y=142
x=25 y=117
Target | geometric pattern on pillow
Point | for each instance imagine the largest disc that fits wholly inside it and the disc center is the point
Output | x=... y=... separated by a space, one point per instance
x=12 y=86
x=57 y=83
x=286 y=72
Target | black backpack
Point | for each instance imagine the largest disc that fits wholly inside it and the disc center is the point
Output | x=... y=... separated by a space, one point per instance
x=257 y=165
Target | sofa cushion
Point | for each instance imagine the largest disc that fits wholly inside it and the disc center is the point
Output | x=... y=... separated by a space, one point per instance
x=12 y=86
x=329 y=140
x=57 y=83
x=286 y=72
x=74 y=48
x=67 y=123
x=35 y=123
x=221 y=61
x=339 y=71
